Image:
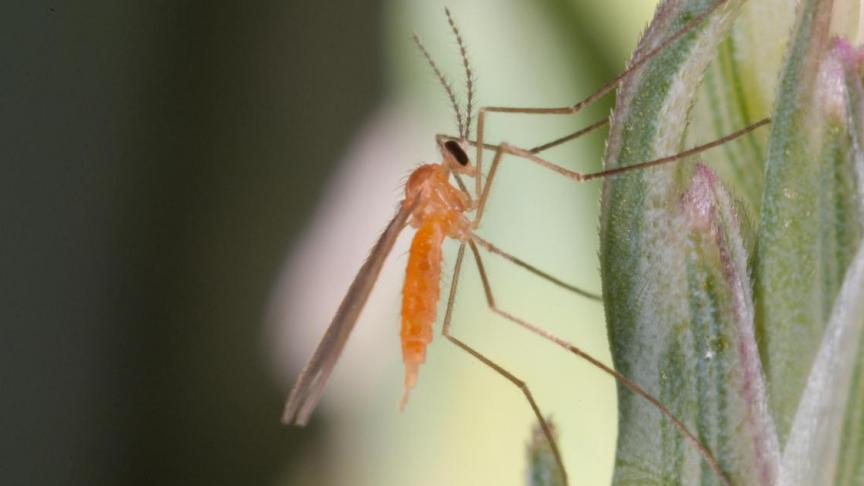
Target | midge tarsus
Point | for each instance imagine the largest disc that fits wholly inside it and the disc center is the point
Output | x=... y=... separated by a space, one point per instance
x=437 y=209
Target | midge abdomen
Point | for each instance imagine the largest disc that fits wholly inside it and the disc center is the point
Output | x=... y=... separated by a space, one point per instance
x=420 y=298
x=438 y=215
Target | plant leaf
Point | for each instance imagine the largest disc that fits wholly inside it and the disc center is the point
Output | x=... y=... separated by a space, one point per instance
x=737 y=91
x=808 y=227
x=671 y=300
x=732 y=417
x=850 y=464
x=826 y=442
x=543 y=470
x=813 y=451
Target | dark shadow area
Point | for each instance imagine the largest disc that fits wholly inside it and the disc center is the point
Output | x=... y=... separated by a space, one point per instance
x=158 y=159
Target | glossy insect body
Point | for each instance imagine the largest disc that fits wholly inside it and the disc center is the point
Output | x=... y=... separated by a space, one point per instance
x=438 y=213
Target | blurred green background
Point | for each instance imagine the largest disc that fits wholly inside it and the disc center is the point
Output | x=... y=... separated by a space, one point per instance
x=188 y=188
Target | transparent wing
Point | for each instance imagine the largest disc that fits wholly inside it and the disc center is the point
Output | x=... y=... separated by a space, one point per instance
x=307 y=391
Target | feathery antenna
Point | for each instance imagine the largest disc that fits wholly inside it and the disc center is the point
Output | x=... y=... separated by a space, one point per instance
x=469 y=76
x=443 y=81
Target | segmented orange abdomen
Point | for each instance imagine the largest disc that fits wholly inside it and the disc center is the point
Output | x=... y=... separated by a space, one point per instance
x=420 y=295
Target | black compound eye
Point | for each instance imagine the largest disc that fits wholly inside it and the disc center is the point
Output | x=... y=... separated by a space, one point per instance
x=456 y=151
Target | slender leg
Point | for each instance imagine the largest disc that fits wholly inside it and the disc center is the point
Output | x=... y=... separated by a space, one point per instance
x=530 y=154
x=445 y=331
x=481 y=205
x=614 y=82
x=483 y=195
x=481 y=192
x=503 y=148
x=536 y=271
x=572 y=136
x=599 y=93
x=629 y=384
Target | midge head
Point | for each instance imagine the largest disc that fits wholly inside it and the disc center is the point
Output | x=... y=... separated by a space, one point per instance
x=456 y=158
x=455 y=152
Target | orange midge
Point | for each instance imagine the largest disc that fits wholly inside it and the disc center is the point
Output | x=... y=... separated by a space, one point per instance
x=437 y=213
x=436 y=208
